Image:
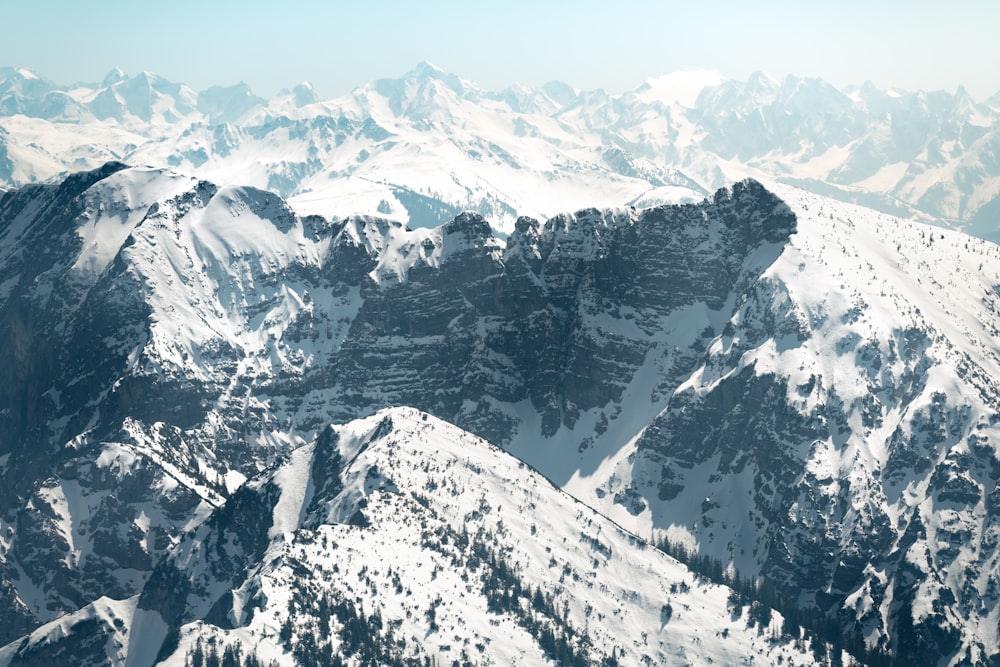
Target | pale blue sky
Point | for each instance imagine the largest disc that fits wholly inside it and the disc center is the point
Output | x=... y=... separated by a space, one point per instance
x=614 y=45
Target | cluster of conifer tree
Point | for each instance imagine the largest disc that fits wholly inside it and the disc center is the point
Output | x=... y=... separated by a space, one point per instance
x=535 y=611
x=208 y=654
x=338 y=630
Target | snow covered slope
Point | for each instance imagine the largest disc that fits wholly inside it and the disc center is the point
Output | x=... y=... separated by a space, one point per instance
x=400 y=538
x=97 y=634
x=797 y=388
x=425 y=146
x=839 y=436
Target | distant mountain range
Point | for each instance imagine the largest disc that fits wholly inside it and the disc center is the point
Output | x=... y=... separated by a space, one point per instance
x=424 y=147
x=228 y=427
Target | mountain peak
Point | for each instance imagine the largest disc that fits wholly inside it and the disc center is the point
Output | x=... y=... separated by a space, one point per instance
x=116 y=75
x=426 y=69
x=25 y=73
x=994 y=101
x=304 y=94
x=962 y=95
x=470 y=226
x=761 y=79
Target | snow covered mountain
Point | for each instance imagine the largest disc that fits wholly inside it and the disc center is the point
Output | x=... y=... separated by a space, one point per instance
x=425 y=146
x=795 y=389
x=402 y=539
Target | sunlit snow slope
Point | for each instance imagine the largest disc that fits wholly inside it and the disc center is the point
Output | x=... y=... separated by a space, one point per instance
x=422 y=147
x=432 y=543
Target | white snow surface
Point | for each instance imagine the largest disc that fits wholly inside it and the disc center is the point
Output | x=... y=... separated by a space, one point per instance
x=429 y=144
x=424 y=481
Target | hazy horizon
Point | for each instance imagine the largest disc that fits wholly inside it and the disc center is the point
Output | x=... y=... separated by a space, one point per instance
x=588 y=44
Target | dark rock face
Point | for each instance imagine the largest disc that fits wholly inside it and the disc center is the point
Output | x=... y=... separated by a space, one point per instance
x=229 y=543
x=42 y=296
x=851 y=496
x=85 y=646
x=522 y=325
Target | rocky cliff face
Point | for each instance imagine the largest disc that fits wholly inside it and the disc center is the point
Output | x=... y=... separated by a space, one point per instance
x=792 y=386
x=850 y=416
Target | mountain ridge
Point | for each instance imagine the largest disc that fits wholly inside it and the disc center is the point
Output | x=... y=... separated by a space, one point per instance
x=385 y=470
x=422 y=147
x=797 y=388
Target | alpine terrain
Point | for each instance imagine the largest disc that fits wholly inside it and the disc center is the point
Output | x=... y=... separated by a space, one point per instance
x=757 y=428
x=425 y=146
